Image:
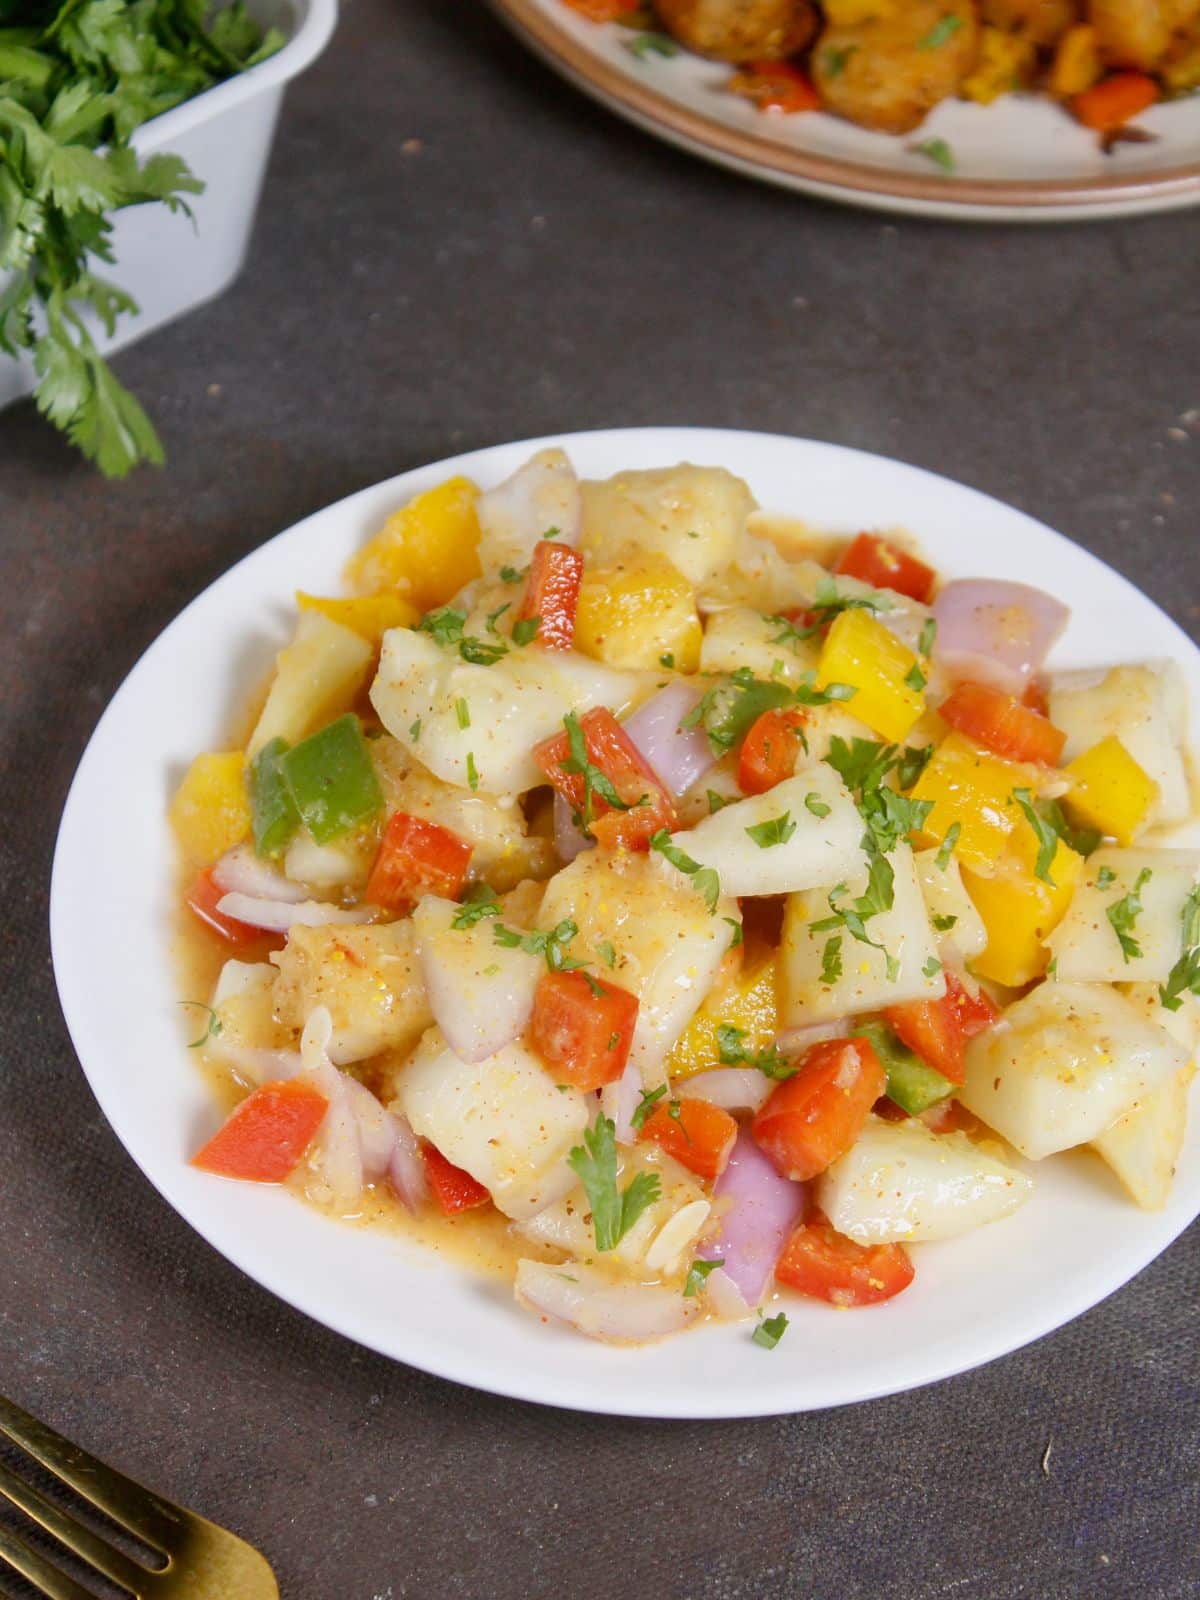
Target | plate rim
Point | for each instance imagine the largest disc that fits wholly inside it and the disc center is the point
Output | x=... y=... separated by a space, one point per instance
x=747 y=151
x=547 y=1386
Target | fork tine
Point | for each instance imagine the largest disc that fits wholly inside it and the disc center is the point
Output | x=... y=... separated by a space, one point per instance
x=82 y=1541
x=147 y=1516
x=46 y=1579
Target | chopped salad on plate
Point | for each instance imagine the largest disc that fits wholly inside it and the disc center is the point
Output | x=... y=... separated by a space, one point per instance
x=701 y=912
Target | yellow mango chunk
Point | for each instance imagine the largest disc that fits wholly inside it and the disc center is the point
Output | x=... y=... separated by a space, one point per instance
x=1019 y=909
x=1110 y=791
x=860 y=651
x=973 y=788
x=1076 y=64
x=849 y=13
x=368 y=615
x=636 y=613
x=426 y=551
x=1006 y=62
x=211 y=812
x=751 y=1004
x=316 y=678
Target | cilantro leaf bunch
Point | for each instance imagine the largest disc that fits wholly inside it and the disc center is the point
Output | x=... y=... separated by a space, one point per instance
x=77 y=78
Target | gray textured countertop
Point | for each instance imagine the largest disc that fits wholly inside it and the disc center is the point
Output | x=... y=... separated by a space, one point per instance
x=455 y=249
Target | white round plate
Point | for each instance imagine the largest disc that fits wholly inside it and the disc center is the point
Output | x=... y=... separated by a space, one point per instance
x=1021 y=159
x=110 y=913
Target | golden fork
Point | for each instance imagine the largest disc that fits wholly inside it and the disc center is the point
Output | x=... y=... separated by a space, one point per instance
x=202 y=1561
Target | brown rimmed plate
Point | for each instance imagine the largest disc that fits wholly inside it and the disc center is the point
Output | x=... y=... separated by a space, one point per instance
x=1021 y=159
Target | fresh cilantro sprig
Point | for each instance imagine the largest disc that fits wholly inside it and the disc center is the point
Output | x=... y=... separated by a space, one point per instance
x=76 y=80
x=213 y=1028
x=732 y=1052
x=614 y=1210
x=595 y=780
x=1047 y=837
x=551 y=943
x=704 y=879
x=863 y=765
x=730 y=708
x=775 y=830
x=480 y=902
x=445 y=625
x=828 y=602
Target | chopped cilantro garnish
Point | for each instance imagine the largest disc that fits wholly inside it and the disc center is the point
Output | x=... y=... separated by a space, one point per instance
x=414 y=730
x=462 y=712
x=928 y=636
x=614 y=1211
x=943 y=924
x=942 y=859
x=932 y=967
x=716 y=802
x=595 y=781
x=512 y=574
x=915 y=678
x=1123 y=915
x=480 y=902
x=646 y=1105
x=667 y=659
x=737 y=931
x=814 y=803
x=1046 y=836
x=494 y=616
x=775 y=830
x=525 y=629
x=551 y=943
x=472 y=771
x=938 y=151
x=942 y=31
x=1105 y=878
x=446 y=625
x=606 y=953
x=704 y=879
x=831 y=960
x=732 y=1052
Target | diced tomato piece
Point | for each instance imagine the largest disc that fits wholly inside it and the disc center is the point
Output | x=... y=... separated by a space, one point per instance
x=453 y=1189
x=812 y=1119
x=203 y=898
x=604 y=10
x=698 y=1134
x=552 y=593
x=931 y=1029
x=826 y=1265
x=610 y=749
x=583 y=1036
x=885 y=565
x=1114 y=100
x=776 y=86
x=1001 y=723
x=770 y=750
x=938 y=1030
x=976 y=1012
x=265 y=1138
x=417 y=857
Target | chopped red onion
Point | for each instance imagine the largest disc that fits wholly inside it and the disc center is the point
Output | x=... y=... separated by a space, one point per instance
x=406 y=1170
x=280 y=915
x=795 y=1041
x=240 y=871
x=569 y=841
x=761 y=1209
x=601 y=1306
x=678 y=755
x=620 y=1100
x=995 y=632
x=723 y=1297
x=731 y=1088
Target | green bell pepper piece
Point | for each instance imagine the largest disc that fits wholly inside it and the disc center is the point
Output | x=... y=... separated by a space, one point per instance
x=273 y=814
x=910 y=1083
x=331 y=780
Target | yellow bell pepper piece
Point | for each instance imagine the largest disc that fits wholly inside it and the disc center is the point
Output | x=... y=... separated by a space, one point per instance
x=211 y=812
x=750 y=1004
x=427 y=550
x=973 y=788
x=636 y=613
x=1005 y=62
x=1076 y=64
x=860 y=651
x=368 y=615
x=1019 y=909
x=1109 y=790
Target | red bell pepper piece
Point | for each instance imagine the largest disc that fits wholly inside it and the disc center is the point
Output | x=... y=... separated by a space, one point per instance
x=613 y=752
x=938 y=1030
x=417 y=857
x=582 y=1035
x=552 y=593
x=264 y=1138
x=1001 y=723
x=812 y=1119
x=885 y=565
x=825 y=1265
x=453 y=1189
